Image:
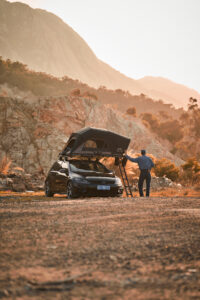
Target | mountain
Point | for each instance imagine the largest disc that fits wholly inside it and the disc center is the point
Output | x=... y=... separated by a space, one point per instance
x=34 y=131
x=45 y=43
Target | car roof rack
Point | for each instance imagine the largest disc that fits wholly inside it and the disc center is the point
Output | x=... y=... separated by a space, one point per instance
x=90 y=142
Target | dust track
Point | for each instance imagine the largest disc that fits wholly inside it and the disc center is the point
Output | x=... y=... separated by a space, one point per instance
x=99 y=248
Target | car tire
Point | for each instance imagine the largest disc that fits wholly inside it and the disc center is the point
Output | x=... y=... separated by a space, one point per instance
x=48 y=191
x=70 y=191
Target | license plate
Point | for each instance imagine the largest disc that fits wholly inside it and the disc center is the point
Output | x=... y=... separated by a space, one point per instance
x=103 y=187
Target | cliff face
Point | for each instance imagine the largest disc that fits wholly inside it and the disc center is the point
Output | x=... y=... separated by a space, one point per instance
x=33 y=132
x=45 y=43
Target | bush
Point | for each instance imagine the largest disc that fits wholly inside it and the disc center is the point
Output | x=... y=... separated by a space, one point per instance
x=89 y=95
x=75 y=92
x=131 y=111
x=151 y=120
x=164 y=167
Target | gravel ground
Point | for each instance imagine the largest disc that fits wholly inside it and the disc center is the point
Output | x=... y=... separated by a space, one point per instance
x=99 y=248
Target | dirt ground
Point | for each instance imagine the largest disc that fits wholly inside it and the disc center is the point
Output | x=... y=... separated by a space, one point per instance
x=99 y=248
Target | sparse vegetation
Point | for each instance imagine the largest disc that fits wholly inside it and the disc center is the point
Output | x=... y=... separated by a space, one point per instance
x=16 y=74
x=180 y=128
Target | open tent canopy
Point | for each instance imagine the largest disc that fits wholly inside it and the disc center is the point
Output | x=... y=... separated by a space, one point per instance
x=96 y=142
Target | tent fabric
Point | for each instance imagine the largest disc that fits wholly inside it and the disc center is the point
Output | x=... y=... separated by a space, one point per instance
x=96 y=142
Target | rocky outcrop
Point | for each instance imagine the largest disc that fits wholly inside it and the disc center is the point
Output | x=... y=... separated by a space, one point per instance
x=21 y=182
x=157 y=184
x=34 y=131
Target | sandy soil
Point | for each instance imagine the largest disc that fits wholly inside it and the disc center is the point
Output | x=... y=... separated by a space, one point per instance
x=99 y=248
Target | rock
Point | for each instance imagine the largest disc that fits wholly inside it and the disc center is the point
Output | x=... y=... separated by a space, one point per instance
x=158 y=183
x=5 y=184
x=18 y=187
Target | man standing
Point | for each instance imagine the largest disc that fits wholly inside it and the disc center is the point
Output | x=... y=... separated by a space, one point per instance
x=145 y=164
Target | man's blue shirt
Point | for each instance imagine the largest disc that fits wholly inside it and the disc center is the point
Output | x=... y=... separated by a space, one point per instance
x=144 y=162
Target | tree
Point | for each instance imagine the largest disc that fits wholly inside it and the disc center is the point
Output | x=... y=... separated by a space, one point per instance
x=151 y=120
x=192 y=105
x=194 y=110
x=171 y=130
x=191 y=171
x=164 y=115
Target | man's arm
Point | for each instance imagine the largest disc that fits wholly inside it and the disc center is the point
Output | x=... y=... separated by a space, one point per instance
x=135 y=160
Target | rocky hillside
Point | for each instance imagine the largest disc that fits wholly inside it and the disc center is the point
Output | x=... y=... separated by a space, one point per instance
x=33 y=132
x=17 y=79
x=45 y=43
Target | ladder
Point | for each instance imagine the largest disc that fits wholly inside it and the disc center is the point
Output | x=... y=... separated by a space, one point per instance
x=121 y=162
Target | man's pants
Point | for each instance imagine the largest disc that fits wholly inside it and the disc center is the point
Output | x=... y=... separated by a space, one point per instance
x=144 y=175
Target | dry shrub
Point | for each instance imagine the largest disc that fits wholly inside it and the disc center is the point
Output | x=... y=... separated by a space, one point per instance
x=4 y=93
x=5 y=165
x=164 y=167
x=75 y=92
x=131 y=111
x=18 y=169
x=89 y=95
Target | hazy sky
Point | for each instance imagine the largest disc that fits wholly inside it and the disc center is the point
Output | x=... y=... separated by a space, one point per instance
x=138 y=37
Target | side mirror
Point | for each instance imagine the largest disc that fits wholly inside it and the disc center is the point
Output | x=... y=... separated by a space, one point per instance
x=64 y=171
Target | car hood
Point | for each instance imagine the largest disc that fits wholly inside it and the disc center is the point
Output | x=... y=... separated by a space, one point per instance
x=95 y=174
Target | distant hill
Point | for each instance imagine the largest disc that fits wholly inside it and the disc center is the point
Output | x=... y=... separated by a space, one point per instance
x=45 y=43
x=168 y=90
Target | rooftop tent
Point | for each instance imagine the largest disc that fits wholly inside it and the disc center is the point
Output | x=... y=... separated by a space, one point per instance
x=95 y=142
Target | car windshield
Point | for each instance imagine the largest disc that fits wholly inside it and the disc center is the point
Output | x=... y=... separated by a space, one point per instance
x=88 y=166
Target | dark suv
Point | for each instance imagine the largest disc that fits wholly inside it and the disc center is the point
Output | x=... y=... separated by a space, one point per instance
x=78 y=177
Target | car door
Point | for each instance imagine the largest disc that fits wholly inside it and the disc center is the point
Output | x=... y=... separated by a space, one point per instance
x=58 y=176
x=61 y=179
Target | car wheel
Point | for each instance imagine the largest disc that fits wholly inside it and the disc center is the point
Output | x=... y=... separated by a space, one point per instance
x=48 y=191
x=70 y=190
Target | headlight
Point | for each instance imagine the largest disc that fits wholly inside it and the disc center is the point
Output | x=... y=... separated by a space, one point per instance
x=80 y=180
x=118 y=181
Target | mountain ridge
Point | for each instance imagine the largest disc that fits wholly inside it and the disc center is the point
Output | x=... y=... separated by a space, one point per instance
x=46 y=43
x=179 y=90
